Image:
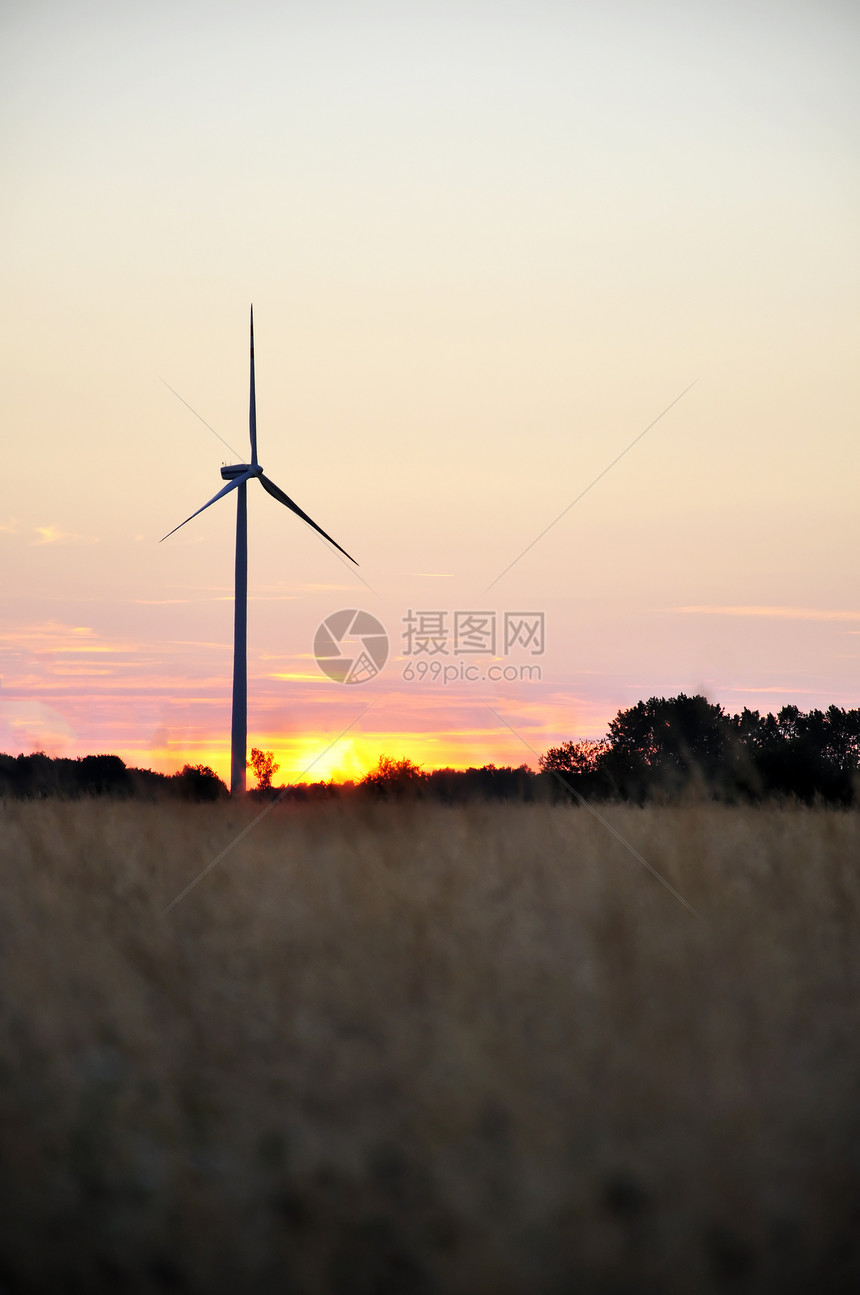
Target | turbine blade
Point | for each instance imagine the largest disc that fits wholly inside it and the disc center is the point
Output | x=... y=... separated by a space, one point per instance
x=231 y=485
x=278 y=494
x=252 y=411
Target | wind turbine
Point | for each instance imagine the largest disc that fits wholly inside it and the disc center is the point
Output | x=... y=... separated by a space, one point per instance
x=237 y=476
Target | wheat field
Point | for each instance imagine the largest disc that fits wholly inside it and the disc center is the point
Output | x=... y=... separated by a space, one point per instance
x=404 y=1049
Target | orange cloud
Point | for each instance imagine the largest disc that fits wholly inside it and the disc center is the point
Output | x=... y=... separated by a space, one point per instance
x=294 y=677
x=53 y=535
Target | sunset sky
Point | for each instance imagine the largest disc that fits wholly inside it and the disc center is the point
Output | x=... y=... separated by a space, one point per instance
x=487 y=244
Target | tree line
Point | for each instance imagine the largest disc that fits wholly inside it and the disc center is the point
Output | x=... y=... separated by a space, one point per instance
x=662 y=749
x=32 y=777
x=666 y=748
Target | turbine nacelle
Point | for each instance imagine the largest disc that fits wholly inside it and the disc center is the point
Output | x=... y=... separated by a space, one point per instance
x=231 y=471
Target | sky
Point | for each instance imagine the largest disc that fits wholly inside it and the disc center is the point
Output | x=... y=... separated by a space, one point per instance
x=488 y=245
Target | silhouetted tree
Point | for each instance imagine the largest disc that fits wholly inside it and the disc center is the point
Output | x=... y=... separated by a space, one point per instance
x=146 y=784
x=198 y=782
x=24 y=776
x=580 y=758
x=263 y=764
x=579 y=765
x=460 y=786
x=393 y=778
x=102 y=775
x=807 y=755
x=667 y=745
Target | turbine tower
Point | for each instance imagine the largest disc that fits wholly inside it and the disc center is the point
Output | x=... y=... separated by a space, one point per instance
x=237 y=476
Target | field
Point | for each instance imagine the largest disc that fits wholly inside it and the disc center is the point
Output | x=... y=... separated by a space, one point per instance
x=404 y=1049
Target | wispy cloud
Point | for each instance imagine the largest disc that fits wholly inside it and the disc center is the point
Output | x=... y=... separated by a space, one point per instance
x=286 y=656
x=293 y=677
x=102 y=648
x=774 y=613
x=781 y=690
x=45 y=633
x=52 y=645
x=53 y=535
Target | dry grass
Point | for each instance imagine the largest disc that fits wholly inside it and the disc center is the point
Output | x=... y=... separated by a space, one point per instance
x=396 y=1050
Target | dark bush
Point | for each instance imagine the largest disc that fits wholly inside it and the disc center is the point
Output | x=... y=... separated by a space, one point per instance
x=197 y=782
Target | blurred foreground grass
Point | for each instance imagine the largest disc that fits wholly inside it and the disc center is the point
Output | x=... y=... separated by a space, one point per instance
x=402 y=1049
